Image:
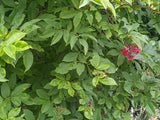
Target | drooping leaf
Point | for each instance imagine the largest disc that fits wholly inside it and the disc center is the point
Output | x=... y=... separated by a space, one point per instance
x=28 y=60
x=77 y=19
x=73 y=41
x=95 y=81
x=89 y=17
x=98 y=16
x=80 y=68
x=84 y=44
x=10 y=51
x=95 y=61
x=120 y=60
x=66 y=36
x=57 y=37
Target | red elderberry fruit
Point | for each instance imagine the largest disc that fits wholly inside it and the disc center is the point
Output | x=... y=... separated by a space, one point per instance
x=129 y=50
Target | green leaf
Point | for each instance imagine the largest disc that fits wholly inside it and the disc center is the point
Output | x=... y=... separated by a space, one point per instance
x=108 y=34
x=3 y=80
x=16 y=101
x=45 y=107
x=28 y=27
x=57 y=100
x=80 y=68
x=42 y=94
x=28 y=114
x=95 y=81
x=108 y=81
x=76 y=86
x=75 y=3
x=83 y=3
x=2 y=13
x=77 y=19
x=66 y=36
x=120 y=60
x=66 y=112
x=150 y=108
x=73 y=41
x=28 y=60
x=2 y=72
x=84 y=44
x=116 y=114
x=10 y=3
x=129 y=1
x=88 y=114
x=81 y=108
x=113 y=52
x=110 y=6
x=72 y=56
x=10 y=51
x=21 y=46
x=14 y=36
x=71 y=92
x=98 y=16
x=137 y=41
x=5 y=90
x=64 y=68
x=103 y=66
x=89 y=36
x=101 y=101
x=57 y=37
x=97 y=114
x=14 y=112
x=19 y=89
x=105 y=3
x=95 y=61
x=17 y=20
x=66 y=14
x=89 y=17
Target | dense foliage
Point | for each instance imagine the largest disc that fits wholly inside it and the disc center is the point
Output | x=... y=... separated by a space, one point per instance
x=79 y=60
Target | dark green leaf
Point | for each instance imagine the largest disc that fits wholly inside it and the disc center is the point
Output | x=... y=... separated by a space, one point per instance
x=28 y=60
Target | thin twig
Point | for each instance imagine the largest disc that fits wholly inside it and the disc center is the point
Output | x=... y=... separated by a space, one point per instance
x=109 y=18
x=89 y=68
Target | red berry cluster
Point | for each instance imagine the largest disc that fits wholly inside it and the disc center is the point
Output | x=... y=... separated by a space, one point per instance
x=130 y=50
